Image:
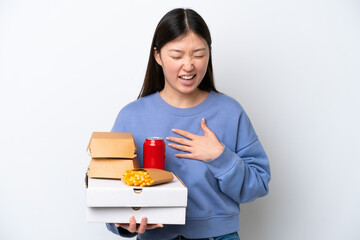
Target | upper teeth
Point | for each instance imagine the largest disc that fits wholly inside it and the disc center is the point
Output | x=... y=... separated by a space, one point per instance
x=187 y=77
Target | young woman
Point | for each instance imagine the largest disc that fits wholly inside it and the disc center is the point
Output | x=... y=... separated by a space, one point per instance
x=213 y=147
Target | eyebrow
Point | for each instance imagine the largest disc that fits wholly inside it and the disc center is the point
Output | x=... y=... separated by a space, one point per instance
x=179 y=51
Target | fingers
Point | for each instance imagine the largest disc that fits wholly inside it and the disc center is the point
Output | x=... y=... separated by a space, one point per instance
x=181 y=141
x=152 y=226
x=142 y=227
x=205 y=128
x=192 y=136
x=184 y=133
x=139 y=228
x=186 y=155
x=184 y=143
x=132 y=225
x=180 y=147
x=203 y=125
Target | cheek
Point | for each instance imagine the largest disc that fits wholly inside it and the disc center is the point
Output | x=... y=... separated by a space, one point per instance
x=202 y=66
x=171 y=68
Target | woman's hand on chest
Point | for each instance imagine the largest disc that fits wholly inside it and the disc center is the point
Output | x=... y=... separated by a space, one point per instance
x=203 y=148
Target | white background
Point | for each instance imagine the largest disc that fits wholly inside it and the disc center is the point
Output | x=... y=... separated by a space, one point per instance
x=67 y=68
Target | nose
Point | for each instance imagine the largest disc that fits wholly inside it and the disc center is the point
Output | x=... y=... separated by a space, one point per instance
x=188 y=64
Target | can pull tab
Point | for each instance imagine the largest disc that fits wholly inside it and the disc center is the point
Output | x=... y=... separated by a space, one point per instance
x=137 y=190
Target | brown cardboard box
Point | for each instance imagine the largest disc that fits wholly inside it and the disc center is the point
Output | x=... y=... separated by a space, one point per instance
x=112 y=168
x=112 y=145
x=112 y=153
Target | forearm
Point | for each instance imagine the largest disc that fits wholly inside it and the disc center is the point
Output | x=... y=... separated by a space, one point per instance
x=243 y=176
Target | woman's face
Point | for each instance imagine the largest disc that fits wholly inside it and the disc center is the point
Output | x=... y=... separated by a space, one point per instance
x=184 y=62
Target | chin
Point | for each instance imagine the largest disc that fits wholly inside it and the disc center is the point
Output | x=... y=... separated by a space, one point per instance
x=189 y=90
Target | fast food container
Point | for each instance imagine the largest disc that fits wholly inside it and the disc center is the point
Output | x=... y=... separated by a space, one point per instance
x=112 y=201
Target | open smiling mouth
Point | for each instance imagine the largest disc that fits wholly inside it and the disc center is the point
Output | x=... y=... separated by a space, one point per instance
x=188 y=77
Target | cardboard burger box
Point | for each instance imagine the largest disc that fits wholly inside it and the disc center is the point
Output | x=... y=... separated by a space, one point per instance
x=110 y=200
x=112 y=153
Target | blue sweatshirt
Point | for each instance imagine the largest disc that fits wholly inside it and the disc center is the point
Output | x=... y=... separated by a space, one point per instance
x=215 y=188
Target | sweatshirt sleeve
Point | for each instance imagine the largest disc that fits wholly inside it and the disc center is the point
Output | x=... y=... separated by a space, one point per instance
x=243 y=173
x=119 y=231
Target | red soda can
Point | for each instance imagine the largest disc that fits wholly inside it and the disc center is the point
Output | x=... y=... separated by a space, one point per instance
x=154 y=153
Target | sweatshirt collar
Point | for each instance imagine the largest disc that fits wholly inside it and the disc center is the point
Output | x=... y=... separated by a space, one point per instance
x=158 y=100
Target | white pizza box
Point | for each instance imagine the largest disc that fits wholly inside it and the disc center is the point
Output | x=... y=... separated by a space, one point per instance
x=115 y=193
x=112 y=201
x=155 y=215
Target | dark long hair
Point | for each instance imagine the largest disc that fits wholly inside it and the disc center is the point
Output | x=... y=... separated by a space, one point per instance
x=174 y=24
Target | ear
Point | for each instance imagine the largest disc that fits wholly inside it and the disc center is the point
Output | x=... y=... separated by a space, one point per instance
x=157 y=56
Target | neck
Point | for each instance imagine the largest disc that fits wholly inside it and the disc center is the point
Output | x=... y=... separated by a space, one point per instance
x=181 y=100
